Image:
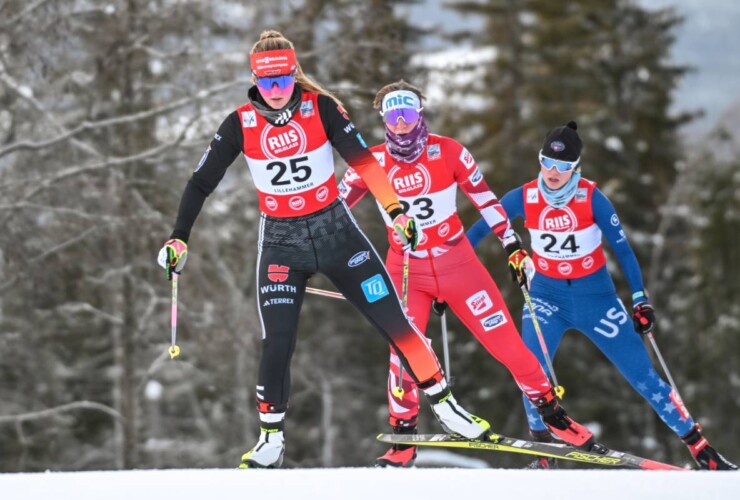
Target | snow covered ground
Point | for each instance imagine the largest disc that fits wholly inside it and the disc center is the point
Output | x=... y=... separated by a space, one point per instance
x=371 y=484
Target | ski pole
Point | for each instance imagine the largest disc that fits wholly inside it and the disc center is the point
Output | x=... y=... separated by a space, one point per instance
x=325 y=293
x=445 y=351
x=398 y=390
x=559 y=390
x=174 y=349
x=679 y=402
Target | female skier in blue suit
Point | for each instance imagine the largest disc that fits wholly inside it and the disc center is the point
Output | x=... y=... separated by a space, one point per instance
x=567 y=216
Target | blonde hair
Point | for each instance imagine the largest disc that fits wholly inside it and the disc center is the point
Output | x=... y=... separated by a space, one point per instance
x=392 y=87
x=274 y=40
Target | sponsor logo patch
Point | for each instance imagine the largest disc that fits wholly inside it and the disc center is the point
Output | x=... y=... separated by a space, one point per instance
x=412 y=181
x=278 y=289
x=277 y=273
x=322 y=193
x=307 y=108
x=297 y=202
x=558 y=220
x=588 y=262
x=374 y=288
x=479 y=303
x=281 y=142
x=565 y=268
x=271 y=203
x=557 y=146
x=249 y=119
x=467 y=159
x=581 y=194
x=203 y=158
x=359 y=258
x=493 y=321
x=532 y=195
x=476 y=177
x=614 y=220
x=433 y=152
x=381 y=158
x=278 y=301
x=679 y=404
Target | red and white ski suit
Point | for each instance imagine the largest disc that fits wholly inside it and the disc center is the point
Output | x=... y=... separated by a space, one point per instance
x=444 y=265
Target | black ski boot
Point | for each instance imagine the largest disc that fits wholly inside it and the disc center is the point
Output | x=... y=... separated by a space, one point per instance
x=706 y=457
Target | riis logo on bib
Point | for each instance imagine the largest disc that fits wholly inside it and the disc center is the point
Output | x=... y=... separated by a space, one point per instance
x=558 y=220
x=283 y=142
x=408 y=182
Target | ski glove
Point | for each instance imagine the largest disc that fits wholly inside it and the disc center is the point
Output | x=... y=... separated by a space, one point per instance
x=172 y=256
x=439 y=307
x=520 y=265
x=406 y=228
x=643 y=316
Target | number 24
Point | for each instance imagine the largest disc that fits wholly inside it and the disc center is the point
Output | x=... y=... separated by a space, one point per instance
x=568 y=244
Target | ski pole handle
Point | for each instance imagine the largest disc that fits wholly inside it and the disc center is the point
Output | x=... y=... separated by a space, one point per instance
x=174 y=349
x=559 y=389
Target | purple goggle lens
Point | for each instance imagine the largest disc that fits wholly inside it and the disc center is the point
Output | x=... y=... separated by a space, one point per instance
x=282 y=81
x=409 y=115
x=561 y=165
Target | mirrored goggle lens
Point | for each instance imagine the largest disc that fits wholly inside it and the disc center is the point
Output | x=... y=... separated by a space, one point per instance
x=562 y=166
x=282 y=81
x=409 y=115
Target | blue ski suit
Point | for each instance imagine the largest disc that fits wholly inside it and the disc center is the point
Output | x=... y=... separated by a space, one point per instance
x=589 y=304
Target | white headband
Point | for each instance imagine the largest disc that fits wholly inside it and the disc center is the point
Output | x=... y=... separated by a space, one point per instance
x=400 y=99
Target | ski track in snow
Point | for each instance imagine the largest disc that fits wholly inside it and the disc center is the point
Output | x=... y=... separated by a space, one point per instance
x=370 y=484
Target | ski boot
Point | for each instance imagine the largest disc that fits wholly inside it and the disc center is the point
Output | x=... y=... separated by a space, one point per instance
x=269 y=450
x=453 y=417
x=706 y=457
x=399 y=455
x=564 y=427
x=539 y=462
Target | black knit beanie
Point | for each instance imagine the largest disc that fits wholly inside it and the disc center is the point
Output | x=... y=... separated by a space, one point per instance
x=563 y=143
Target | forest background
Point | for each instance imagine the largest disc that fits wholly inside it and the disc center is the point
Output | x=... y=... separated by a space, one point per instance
x=105 y=109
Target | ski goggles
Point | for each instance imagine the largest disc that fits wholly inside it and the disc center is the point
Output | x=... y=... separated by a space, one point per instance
x=562 y=165
x=409 y=115
x=282 y=81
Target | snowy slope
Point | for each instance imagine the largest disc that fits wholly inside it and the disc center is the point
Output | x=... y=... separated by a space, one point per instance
x=371 y=484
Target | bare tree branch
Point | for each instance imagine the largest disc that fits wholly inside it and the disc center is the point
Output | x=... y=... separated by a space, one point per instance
x=119 y=120
x=46 y=182
x=67 y=243
x=16 y=18
x=10 y=82
x=83 y=307
x=50 y=412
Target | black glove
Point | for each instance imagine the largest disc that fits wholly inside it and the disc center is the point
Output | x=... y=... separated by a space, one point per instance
x=439 y=307
x=643 y=316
